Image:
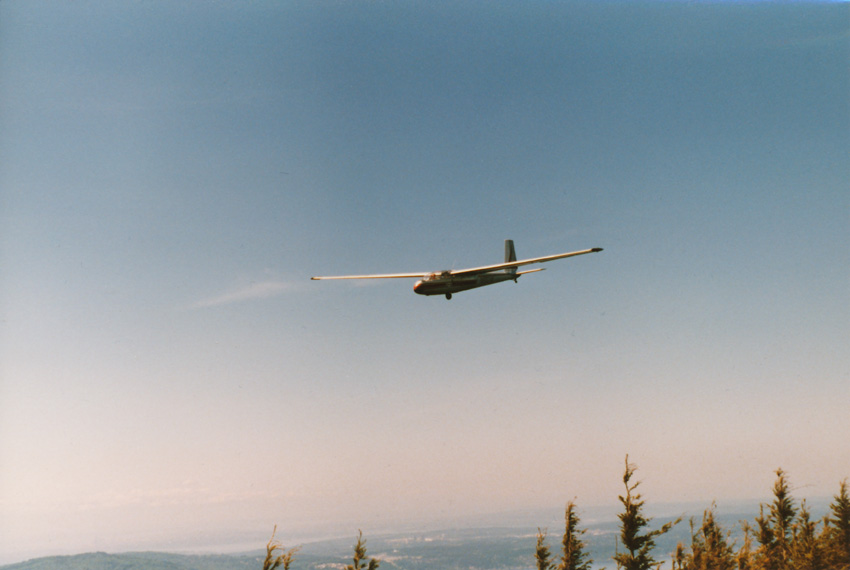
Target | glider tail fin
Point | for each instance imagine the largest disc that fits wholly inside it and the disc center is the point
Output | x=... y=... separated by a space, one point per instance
x=510 y=255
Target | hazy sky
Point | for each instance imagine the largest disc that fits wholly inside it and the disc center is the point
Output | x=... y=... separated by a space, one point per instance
x=173 y=173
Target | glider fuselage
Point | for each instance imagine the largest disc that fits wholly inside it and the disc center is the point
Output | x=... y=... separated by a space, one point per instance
x=444 y=283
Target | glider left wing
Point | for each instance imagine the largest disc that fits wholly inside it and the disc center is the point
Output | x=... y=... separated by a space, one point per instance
x=378 y=276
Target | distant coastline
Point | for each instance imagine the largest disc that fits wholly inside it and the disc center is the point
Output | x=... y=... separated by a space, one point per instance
x=505 y=540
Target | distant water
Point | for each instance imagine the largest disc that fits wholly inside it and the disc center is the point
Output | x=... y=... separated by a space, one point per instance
x=495 y=540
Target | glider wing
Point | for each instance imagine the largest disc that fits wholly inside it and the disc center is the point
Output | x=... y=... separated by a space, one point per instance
x=521 y=262
x=379 y=276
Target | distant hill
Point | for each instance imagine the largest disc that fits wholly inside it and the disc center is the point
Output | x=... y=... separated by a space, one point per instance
x=140 y=561
x=455 y=549
x=482 y=549
x=498 y=549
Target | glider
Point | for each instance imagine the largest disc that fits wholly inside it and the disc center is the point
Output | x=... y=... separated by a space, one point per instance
x=456 y=280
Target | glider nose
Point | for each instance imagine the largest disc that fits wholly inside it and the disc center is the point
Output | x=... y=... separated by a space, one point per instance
x=417 y=287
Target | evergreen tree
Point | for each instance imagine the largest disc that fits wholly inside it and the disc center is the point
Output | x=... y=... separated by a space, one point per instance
x=361 y=561
x=542 y=554
x=574 y=556
x=709 y=547
x=680 y=557
x=638 y=555
x=284 y=560
x=774 y=529
x=763 y=557
x=744 y=558
x=806 y=547
x=782 y=513
x=837 y=531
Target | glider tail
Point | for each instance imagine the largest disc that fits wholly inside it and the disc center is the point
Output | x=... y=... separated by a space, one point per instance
x=510 y=255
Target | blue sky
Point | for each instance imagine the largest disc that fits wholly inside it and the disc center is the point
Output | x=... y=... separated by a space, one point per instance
x=173 y=174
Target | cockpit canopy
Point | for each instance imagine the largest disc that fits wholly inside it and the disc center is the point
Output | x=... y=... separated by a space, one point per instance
x=437 y=276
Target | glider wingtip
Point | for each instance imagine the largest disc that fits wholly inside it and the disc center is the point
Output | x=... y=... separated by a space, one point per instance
x=595 y=249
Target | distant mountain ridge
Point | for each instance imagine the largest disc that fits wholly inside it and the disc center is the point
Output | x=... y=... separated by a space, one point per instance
x=455 y=549
x=491 y=548
x=494 y=549
x=140 y=561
